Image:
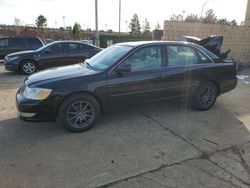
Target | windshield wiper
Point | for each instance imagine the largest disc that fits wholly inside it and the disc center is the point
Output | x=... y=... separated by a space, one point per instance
x=88 y=65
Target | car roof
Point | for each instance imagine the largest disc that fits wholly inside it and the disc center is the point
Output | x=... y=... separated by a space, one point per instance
x=18 y=37
x=145 y=43
x=140 y=43
x=67 y=41
x=73 y=41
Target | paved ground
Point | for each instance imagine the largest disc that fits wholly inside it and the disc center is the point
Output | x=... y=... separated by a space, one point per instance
x=162 y=145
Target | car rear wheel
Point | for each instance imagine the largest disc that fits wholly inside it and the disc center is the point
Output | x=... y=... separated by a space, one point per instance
x=28 y=67
x=205 y=96
x=79 y=112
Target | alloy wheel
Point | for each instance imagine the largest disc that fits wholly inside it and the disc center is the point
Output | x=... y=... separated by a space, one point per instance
x=80 y=114
x=207 y=97
x=29 y=67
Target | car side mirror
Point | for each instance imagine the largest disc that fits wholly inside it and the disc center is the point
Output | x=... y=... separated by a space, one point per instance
x=123 y=68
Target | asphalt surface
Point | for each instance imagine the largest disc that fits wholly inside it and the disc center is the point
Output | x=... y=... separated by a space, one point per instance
x=160 y=145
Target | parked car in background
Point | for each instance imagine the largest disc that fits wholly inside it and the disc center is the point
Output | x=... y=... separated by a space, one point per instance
x=87 y=41
x=124 y=75
x=53 y=54
x=14 y=44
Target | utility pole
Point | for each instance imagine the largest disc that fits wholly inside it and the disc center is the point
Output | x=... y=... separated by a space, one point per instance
x=126 y=26
x=119 y=17
x=247 y=17
x=202 y=9
x=96 y=25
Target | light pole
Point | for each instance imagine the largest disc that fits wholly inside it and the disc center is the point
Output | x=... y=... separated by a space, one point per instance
x=96 y=24
x=64 y=22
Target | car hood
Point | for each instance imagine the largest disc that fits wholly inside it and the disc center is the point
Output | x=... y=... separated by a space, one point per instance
x=27 y=52
x=59 y=73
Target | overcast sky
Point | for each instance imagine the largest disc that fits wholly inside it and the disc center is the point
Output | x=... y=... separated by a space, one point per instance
x=82 y=11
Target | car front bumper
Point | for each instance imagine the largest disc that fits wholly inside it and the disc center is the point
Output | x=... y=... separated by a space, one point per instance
x=34 y=110
x=13 y=66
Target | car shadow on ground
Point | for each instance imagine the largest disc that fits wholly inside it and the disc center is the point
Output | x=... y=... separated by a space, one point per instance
x=4 y=74
x=11 y=80
x=214 y=129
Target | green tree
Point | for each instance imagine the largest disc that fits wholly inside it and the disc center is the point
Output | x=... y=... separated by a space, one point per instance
x=146 y=26
x=176 y=18
x=227 y=22
x=76 y=29
x=41 y=22
x=192 y=18
x=134 y=25
x=223 y=21
x=210 y=17
x=233 y=23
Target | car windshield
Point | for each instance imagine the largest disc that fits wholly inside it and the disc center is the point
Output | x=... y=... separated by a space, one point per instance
x=108 y=57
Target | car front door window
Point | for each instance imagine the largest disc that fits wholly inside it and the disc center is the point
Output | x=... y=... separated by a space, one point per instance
x=56 y=49
x=146 y=58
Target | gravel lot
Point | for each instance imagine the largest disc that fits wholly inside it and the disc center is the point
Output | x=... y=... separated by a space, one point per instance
x=161 y=145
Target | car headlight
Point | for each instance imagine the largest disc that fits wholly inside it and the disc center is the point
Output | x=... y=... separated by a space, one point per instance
x=36 y=93
x=12 y=58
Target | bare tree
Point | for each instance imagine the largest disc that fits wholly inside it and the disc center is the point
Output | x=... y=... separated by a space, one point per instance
x=176 y=18
x=17 y=21
x=158 y=26
x=192 y=18
x=210 y=17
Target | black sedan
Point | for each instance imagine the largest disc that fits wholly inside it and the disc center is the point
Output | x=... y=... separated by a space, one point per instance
x=124 y=75
x=54 y=54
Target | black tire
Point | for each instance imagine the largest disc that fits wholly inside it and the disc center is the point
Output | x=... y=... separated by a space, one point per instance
x=28 y=67
x=205 y=96
x=79 y=112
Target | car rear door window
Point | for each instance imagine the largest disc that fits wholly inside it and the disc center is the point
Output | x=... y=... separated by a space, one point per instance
x=88 y=47
x=73 y=47
x=83 y=47
x=146 y=58
x=17 y=42
x=4 y=42
x=203 y=58
x=181 y=55
x=34 y=42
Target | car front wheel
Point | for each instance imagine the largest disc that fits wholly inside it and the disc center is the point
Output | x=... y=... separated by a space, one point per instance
x=28 y=67
x=205 y=96
x=79 y=112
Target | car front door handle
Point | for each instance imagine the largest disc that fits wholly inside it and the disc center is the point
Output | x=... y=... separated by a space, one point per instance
x=159 y=76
